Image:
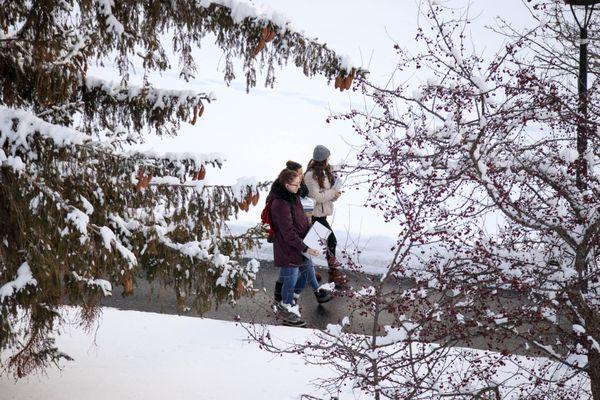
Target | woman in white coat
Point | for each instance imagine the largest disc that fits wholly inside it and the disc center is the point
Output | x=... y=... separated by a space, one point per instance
x=320 y=181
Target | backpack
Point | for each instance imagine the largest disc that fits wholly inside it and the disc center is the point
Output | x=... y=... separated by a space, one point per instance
x=265 y=219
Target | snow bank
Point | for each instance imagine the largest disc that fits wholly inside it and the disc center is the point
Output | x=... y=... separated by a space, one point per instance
x=146 y=356
x=136 y=355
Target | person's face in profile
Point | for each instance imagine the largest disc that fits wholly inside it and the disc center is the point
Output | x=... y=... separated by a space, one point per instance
x=294 y=185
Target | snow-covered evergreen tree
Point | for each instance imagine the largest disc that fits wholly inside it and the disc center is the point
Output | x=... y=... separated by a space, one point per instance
x=79 y=209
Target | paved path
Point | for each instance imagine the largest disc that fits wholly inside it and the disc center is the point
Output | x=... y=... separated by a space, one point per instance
x=259 y=308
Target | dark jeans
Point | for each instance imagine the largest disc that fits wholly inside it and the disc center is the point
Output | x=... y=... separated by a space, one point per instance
x=294 y=280
x=331 y=240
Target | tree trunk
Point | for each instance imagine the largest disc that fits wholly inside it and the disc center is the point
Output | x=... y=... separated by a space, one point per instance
x=9 y=235
x=594 y=373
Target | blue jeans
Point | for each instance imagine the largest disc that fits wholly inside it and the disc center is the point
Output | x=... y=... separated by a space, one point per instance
x=294 y=279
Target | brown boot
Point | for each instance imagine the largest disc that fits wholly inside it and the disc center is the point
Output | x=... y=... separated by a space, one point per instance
x=319 y=277
x=336 y=276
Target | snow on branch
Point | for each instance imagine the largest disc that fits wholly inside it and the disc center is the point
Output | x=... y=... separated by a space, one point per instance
x=242 y=186
x=158 y=97
x=197 y=158
x=80 y=220
x=23 y=279
x=241 y=10
x=111 y=21
x=102 y=284
x=109 y=237
x=18 y=126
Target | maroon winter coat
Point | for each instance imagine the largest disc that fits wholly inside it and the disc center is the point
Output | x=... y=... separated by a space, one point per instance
x=290 y=225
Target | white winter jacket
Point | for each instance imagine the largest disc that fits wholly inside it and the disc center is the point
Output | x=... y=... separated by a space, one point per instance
x=323 y=198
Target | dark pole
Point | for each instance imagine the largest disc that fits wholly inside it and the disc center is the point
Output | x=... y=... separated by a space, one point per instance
x=582 y=126
x=582 y=129
x=582 y=134
x=582 y=91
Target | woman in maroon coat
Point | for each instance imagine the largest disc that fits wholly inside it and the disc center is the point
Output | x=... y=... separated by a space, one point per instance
x=290 y=225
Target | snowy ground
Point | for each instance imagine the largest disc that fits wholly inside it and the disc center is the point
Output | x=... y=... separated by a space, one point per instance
x=135 y=355
x=146 y=356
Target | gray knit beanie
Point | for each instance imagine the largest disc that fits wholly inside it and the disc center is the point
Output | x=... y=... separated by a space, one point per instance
x=320 y=153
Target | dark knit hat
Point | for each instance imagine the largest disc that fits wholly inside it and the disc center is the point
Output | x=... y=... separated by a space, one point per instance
x=320 y=153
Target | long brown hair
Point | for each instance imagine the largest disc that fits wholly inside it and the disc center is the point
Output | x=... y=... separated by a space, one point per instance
x=320 y=170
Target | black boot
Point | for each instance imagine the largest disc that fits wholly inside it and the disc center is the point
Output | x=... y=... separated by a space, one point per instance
x=277 y=295
x=323 y=296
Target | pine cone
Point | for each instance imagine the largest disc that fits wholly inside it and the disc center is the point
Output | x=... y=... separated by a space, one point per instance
x=195 y=117
x=259 y=47
x=201 y=173
x=239 y=287
x=338 y=81
x=127 y=282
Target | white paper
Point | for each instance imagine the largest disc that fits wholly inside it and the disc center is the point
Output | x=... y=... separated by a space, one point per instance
x=316 y=238
x=308 y=204
x=337 y=185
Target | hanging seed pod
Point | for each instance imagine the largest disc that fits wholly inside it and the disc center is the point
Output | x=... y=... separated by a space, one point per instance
x=239 y=287
x=195 y=117
x=200 y=110
x=348 y=80
x=201 y=173
x=259 y=47
x=342 y=83
x=248 y=198
x=265 y=33
x=146 y=181
x=338 y=81
x=244 y=206
x=255 y=198
x=270 y=37
x=127 y=282
x=140 y=180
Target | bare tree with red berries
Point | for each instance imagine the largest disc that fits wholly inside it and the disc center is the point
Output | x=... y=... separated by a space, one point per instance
x=493 y=291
